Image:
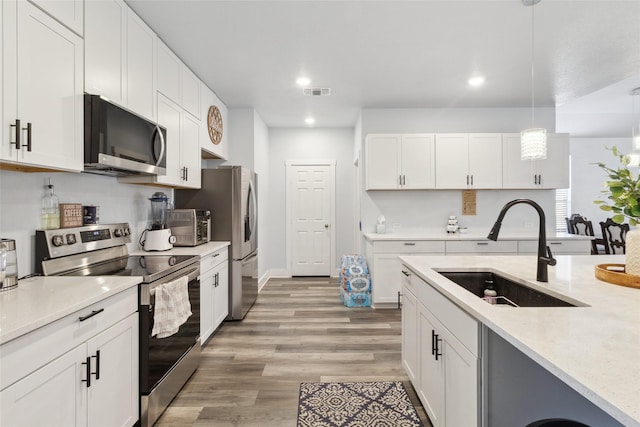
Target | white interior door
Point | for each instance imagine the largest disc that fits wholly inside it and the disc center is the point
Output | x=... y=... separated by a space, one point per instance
x=311 y=235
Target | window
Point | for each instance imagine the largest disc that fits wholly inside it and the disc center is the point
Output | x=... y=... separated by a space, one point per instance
x=562 y=209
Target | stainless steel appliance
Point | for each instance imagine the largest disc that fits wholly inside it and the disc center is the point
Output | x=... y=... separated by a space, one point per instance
x=118 y=142
x=100 y=250
x=190 y=227
x=230 y=193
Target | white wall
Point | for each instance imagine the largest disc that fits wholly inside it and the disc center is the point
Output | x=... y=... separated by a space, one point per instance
x=430 y=209
x=21 y=195
x=587 y=179
x=297 y=144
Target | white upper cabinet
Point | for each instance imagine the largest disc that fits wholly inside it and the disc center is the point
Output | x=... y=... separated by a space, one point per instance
x=399 y=161
x=42 y=89
x=119 y=57
x=552 y=172
x=69 y=12
x=210 y=150
x=469 y=161
x=140 y=59
x=168 y=69
x=190 y=85
x=105 y=46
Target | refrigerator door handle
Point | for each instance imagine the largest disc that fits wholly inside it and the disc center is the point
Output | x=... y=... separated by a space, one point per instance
x=252 y=215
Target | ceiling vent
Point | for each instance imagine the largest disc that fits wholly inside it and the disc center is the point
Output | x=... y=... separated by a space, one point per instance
x=316 y=91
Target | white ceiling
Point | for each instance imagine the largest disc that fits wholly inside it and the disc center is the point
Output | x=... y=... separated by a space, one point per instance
x=407 y=54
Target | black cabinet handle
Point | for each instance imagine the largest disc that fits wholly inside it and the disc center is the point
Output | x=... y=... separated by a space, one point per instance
x=97 y=357
x=88 y=371
x=28 y=129
x=93 y=313
x=437 y=346
x=18 y=131
x=409 y=244
x=472 y=180
x=433 y=342
x=399 y=303
x=216 y=254
x=406 y=273
x=186 y=173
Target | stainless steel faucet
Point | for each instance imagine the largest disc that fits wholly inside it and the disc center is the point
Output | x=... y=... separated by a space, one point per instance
x=545 y=257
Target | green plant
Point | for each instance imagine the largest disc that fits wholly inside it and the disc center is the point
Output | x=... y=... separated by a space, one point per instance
x=622 y=191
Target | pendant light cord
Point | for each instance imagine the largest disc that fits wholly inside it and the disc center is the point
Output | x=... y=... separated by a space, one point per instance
x=532 y=67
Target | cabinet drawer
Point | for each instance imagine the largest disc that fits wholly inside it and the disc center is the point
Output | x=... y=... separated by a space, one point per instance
x=210 y=261
x=483 y=246
x=25 y=354
x=557 y=246
x=408 y=279
x=460 y=324
x=410 y=246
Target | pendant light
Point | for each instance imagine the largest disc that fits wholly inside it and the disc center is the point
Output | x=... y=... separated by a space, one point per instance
x=533 y=141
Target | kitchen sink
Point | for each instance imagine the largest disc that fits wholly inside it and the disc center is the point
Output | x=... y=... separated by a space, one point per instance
x=509 y=292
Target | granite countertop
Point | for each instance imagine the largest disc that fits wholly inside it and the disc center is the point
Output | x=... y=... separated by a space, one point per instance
x=41 y=300
x=595 y=349
x=200 y=250
x=439 y=234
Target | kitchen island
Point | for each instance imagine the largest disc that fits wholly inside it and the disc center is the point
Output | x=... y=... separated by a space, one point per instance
x=593 y=348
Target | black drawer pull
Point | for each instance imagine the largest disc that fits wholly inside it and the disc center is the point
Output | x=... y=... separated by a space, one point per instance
x=216 y=254
x=97 y=357
x=482 y=243
x=88 y=370
x=406 y=273
x=555 y=243
x=409 y=244
x=93 y=313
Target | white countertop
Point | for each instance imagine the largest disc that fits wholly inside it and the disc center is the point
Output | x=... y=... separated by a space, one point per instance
x=594 y=349
x=200 y=250
x=469 y=235
x=38 y=301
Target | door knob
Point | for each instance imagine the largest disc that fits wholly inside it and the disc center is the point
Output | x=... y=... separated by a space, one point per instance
x=326 y=226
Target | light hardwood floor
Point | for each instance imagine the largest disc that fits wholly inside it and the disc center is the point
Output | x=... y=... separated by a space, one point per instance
x=297 y=331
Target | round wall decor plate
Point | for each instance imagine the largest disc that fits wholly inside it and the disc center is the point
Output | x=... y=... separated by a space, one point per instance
x=214 y=123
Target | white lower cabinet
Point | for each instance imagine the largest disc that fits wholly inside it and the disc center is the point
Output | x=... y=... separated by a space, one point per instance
x=214 y=292
x=440 y=354
x=85 y=382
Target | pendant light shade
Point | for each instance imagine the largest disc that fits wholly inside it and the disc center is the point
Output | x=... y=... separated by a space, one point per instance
x=634 y=156
x=533 y=142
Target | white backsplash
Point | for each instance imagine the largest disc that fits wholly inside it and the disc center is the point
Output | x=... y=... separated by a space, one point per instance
x=20 y=204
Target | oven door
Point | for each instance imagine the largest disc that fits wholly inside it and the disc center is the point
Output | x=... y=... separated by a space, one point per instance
x=158 y=356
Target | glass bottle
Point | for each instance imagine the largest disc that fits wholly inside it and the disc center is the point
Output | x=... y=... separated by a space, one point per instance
x=50 y=209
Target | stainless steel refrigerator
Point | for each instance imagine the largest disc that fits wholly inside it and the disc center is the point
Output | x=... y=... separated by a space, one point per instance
x=230 y=193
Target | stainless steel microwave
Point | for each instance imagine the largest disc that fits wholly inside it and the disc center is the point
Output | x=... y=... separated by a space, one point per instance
x=118 y=142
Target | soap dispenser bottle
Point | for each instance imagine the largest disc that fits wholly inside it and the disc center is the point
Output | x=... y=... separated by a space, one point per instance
x=490 y=294
x=50 y=209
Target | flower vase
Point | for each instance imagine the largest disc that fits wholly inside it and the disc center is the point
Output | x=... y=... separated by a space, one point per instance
x=632 y=252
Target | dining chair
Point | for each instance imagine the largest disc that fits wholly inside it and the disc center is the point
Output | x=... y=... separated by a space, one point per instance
x=583 y=227
x=614 y=236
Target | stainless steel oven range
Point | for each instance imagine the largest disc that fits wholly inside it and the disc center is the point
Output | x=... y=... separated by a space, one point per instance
x=100 y=250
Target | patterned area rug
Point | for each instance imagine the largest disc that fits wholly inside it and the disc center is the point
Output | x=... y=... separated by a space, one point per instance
x=366 y=404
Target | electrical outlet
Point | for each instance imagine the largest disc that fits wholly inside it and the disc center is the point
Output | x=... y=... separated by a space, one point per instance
x=395 y=225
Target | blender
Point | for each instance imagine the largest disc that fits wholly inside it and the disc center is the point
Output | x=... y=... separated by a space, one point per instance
x=158 y=237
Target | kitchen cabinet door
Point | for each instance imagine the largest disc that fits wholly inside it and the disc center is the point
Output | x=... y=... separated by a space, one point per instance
x=432 y=372
x=43 y=89
x=554 y=170
x=461 y=383
x=140 y=59
x=221 y=296
x=418 y=162
x=190 y=165
x=190 y=88
x=485 y=160
x=169 y=116
x=105 y=47
x=114 y=358
x=51 y=396
x=207 y=287
x=383 y=162
x=69 y=12
x=452 y=164
x=410 y=343
x=168 y=72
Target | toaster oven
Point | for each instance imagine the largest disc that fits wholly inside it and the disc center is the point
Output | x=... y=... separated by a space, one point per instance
x=191 y=227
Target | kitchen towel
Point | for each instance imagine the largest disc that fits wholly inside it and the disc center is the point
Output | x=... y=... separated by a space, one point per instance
x=172 y=307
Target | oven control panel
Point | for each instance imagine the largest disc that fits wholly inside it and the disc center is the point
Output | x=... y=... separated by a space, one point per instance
x=69 y=241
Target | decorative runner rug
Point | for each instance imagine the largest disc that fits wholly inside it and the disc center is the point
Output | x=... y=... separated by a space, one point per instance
x=355 y=404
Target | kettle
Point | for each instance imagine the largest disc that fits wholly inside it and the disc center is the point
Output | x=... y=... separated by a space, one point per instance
x=8 y=265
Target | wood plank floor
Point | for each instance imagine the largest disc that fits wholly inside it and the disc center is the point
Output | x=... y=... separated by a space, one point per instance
x=297 y=331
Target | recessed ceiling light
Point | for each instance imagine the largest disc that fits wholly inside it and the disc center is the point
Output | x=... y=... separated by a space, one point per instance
x=303 y=81
x=476 y=81
x=309 y=120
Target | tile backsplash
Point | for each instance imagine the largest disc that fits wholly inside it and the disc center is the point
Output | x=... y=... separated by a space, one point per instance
x=20 y=205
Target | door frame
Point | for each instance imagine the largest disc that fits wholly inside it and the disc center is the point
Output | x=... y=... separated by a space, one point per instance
x=331 y=163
